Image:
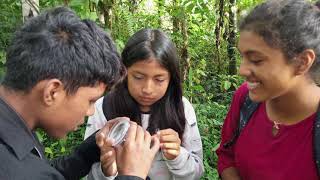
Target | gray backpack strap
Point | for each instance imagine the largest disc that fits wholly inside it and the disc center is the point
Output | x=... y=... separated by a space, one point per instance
x=316 y=141
x=246 y=111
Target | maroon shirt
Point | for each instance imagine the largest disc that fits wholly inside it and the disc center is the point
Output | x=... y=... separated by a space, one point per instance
x=257 y=154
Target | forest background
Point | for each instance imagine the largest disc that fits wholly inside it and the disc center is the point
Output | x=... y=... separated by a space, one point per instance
x=204 y=31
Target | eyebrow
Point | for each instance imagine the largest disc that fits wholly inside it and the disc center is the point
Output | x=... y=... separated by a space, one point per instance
x=158 y=75
x=251 y=52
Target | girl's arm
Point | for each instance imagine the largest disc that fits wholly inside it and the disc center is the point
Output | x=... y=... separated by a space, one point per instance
x=230 y=173
x=188 y=164
x=226 y=156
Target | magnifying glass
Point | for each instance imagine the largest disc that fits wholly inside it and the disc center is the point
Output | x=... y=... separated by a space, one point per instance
x=119 y=131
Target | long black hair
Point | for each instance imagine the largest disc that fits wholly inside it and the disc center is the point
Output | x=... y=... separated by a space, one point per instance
x=168 y=112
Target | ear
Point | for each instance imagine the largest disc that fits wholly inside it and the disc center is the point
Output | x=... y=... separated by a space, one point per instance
x=53 y=91
x=305 y=61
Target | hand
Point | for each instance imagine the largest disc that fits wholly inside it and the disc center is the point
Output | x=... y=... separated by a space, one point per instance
x=169 y=143
x=230 y=173
x=107 y=152
x=135 y=156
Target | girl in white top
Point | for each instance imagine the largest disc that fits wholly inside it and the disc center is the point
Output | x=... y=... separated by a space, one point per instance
x=151 y=95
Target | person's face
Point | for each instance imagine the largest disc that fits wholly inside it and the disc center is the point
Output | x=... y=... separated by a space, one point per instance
x=147 y=82
x=266 y=70
x=69 y=111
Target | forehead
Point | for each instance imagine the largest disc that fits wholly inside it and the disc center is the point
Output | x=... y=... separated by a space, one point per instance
x=250 y=41
x=91 y=91
x=251 y=44
x=149 y=66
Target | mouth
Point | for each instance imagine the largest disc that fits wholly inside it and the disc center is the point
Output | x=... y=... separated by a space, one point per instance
x=144 y=99
x=253 y=85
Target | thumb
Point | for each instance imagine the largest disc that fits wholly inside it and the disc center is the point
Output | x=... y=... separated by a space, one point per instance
x=100 y=138
x=108 y=142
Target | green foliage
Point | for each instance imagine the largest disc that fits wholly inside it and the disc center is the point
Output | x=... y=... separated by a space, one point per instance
x=55 y=148
x=10 y=19
x=210 y=119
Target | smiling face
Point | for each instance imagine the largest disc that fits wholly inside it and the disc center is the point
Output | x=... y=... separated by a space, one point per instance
x=147 y=82
x=268 y=73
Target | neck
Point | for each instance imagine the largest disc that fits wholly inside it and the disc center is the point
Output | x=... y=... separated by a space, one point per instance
x=145 y=109
x=21 y=103
x=294 y=106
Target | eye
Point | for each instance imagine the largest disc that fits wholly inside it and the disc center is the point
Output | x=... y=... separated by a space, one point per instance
x=137 y=77
x=160 y=80
x=256 y=61
x=92 y=101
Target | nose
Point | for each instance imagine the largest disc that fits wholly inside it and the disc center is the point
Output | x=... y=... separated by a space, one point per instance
x=244 y=69
x=147 y=88
x=91 y=110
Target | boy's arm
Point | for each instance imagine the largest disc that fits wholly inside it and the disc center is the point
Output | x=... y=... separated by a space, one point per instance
x=78 y=164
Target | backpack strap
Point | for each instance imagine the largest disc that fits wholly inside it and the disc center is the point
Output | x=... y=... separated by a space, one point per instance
x=316 y=141
x=246 y=111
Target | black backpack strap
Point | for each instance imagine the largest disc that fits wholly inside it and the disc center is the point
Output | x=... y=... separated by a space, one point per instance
x=246 y=111
x=316 y=141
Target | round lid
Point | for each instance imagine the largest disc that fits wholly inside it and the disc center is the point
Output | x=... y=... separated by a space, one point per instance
x=119 y=131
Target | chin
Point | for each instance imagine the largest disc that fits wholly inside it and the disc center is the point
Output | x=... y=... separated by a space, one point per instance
x=146 y=103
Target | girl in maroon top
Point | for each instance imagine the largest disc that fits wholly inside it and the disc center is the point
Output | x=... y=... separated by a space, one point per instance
x=280 y=47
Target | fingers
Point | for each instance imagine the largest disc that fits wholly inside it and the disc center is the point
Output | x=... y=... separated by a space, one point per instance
x=173 y=146
x=147 y=137
x=169 y=135
x=103 y=141
x=131 y=134
x=155 y=145
x=136 y=155
x=170 y=143
x=100 y=138
x=172 y=152
x=108 y=163
x=167 y=132
x=140 y=135
x=108 y=158
x=169 y=138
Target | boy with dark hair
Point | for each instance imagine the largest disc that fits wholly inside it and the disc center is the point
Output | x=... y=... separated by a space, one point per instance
x=57 y=67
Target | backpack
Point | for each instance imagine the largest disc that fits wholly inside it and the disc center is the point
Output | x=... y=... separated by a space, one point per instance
x=246 y=111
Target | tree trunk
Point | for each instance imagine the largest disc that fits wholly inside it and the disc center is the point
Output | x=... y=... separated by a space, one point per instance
x=160 y=11
x=66 y=2
x=175 y=19
x=218 y=32
x=232 y=38
x=105 y=8
x=175 y=22
x=133 y=6
x=30 y=8
x=184 y=50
